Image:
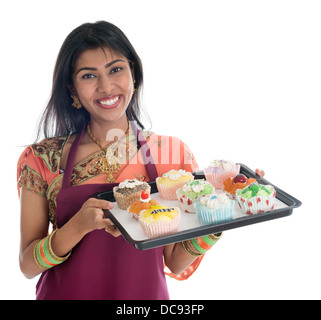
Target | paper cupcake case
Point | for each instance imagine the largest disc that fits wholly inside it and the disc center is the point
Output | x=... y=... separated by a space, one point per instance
x=169 y=192
x=217 y=179
x=132 y=214
x=160 y=228
x=186 y=204
x=124 y=202
x=256 y=204
x=208 y=216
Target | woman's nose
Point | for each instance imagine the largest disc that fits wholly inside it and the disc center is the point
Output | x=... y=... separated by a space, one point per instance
x=105 y=85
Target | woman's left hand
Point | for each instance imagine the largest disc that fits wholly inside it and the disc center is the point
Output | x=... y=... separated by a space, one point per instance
x=260 y=173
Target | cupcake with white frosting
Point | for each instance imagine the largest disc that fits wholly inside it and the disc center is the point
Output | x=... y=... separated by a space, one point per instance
x=220 y=170
x=214 y=208
x=192 y=192
x=128 y=191
x=172 y=180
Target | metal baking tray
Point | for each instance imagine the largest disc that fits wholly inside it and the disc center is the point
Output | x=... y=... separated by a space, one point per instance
x=189 y=226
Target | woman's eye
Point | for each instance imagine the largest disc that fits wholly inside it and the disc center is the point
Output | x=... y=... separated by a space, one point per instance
x=88 y=76
x=114 y=70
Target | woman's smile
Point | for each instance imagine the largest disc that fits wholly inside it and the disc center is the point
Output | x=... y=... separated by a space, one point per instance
x=109 y=102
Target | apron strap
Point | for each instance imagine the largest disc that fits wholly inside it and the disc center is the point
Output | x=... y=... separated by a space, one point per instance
x=71 y=159
x=148 y=160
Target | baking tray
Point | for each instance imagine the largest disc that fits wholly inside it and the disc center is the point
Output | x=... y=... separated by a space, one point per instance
x=189 y=226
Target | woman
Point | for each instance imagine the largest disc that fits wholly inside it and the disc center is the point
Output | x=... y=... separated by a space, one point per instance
x=94 y=139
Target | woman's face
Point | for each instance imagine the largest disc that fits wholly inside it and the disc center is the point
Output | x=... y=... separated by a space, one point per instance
x=103 y=81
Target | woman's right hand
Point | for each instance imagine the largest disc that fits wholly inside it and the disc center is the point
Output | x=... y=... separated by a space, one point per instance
x=91 y=216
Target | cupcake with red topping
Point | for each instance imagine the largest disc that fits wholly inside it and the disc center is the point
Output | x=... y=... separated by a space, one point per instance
x=240 y=181
x=143 y=203
x=128 y=191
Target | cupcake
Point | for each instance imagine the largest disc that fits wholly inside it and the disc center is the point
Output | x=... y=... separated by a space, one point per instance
x=214 y=208
x=169 y=182
x=143 y=203
x=256 y=198
x=128 y=191
x=220 y=170
x=191 y=192
x=240 y=181
x=158 y=221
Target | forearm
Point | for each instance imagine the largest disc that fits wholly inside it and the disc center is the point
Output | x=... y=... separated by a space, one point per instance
x=177 y=259
x=61 y=243
x=67 y=237
x=28 y=265
x=179 y=256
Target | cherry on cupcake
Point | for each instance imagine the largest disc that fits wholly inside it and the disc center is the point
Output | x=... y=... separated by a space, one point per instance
x=240 y=178
x=144 y=195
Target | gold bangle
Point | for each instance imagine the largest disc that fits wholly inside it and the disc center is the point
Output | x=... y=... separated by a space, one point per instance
x=215 y=236
x=189 y=251
x=52 y=254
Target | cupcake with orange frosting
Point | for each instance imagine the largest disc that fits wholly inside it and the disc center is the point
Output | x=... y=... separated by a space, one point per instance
x=240 y=181
x=143 y=203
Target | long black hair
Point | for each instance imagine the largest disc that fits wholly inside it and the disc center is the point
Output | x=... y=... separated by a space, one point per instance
x=60 y=117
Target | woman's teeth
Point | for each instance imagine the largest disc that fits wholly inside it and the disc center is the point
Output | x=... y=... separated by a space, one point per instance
x=109 y=102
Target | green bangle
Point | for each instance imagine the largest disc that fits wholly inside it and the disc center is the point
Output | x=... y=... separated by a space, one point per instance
x=197 y=247
x=209 y=240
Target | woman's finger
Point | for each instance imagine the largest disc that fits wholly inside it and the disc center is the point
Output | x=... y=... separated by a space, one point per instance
x=260 y=173
x=98 y=203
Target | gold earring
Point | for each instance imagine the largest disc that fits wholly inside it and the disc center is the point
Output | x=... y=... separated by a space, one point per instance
x=134 y=89
x=76 y=104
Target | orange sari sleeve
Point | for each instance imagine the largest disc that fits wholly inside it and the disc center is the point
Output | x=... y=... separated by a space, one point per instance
x=30 y=173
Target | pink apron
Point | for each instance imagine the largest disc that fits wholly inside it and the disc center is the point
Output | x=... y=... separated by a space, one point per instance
x=101 y=266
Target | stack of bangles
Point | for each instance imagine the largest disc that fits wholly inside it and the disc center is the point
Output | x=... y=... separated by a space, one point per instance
x=198 y=246
x=44 y=256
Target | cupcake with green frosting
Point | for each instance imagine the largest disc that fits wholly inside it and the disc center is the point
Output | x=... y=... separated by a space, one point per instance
x=192 y=192
x=256 y=198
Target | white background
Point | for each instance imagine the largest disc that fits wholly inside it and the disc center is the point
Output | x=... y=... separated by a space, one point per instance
x=238 y=80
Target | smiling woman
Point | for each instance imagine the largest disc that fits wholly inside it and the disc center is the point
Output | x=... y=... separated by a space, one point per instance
x=109 y=86
x=79 y=46
x=93 y=140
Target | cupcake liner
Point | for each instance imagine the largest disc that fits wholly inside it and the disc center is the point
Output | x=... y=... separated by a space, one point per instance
x=208 y=216
x=186 y=204
x=159 y=229
x=169 y=192
x=132 y=214
x=124 y=202
x=256 y=204
x=217 y=179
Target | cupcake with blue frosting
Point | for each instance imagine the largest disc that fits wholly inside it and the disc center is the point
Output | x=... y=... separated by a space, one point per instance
x=214 y=208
